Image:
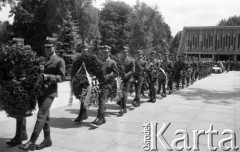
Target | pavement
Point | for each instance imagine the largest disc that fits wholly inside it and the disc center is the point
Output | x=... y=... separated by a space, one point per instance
x=213 y=100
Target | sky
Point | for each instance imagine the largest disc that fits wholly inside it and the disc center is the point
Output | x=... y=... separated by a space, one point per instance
x=180 y=13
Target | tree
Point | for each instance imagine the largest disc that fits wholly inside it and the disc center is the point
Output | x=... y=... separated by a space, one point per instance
x=87 y=18
x=231 y=21
x=68 y=34
x=175 y=43
x=5 y=32
x=5 y=2
x=148 y=29
x=113 y=24
x=30 y=23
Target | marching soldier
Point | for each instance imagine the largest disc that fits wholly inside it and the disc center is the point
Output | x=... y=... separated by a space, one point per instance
x=169 y=72
x=140 y=65
x=128 y=71
x=188 y=65
x=21 y=133
x=54 y=72
x=152 y=76
x=179 y=71
x=184 y=71
x=83 y=115
x=111 y=74
x=194 y=67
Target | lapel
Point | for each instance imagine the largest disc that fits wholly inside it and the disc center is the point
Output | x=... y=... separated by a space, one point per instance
x=50 y=61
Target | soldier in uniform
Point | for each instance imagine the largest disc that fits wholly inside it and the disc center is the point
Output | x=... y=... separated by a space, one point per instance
x=179 y=65
x=140 y=65
x=184 y=71
x=152 y=72
x=21 y=133
x=54 y=72
x=128 y=71
x=169 y=72
x=107 y=86
x=83 y=115
x=188 y=65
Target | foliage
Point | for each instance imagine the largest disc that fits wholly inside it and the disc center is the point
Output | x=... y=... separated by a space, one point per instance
x=30 y=24
x=68 y=33
x=148 y=29
x=231 y=21
x=175 y=43
x=19 y=71
x=3 y=3
x=113 y=24
x=5 y=32
x=87 y=18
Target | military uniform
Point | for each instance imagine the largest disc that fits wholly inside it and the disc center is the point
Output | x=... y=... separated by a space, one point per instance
x=54 y=72
x=152 y=73
x=170 y=74
x=105 y=88
x=21 y=133
x=129 y=70
x=140 y=65
x=179 y=65
x=188 y=65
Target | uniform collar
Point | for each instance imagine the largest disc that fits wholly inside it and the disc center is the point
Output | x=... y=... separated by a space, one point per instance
x=52 y=56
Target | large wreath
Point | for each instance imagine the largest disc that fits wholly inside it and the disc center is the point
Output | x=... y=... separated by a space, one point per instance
x=20 y=69
x=79 y=81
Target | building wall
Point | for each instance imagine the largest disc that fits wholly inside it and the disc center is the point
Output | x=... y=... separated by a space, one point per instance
x=211 y=41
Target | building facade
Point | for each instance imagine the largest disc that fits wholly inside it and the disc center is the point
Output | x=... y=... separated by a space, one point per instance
x=215 y=42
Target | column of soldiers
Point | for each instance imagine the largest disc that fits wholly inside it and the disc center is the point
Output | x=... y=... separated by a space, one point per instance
x=156 y=73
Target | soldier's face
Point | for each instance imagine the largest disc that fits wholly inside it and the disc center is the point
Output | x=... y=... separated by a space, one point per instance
x=140 y=56
x=49 y=50
x=104 y=55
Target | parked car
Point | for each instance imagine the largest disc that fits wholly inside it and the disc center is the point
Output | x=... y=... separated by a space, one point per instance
x=217 y=68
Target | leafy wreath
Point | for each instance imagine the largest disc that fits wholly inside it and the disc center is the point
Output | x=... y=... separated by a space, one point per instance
x=95 y=67
x=20 y=69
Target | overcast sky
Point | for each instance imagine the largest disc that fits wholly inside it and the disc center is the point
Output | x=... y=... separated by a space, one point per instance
x=180 y=13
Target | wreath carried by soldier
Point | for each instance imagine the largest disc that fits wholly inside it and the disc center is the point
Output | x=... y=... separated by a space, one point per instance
x=20 y=80
x=87 y=70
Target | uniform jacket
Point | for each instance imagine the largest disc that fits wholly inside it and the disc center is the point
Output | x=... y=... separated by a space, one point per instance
x=54 y=68
x=168 y=66
x=140 y=66
x=129 y=69
x=111 y=69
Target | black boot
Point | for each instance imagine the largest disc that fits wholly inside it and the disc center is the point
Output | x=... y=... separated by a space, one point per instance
x=21 y=134
x=28 y=146
x=136 y=103
x=82 y=114
x=96 y=120
x=101 y=120
x=123 y=111
x=47 y=142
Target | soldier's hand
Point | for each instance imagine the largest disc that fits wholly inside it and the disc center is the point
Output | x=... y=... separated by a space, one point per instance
x=45 y=77
x=41 y=67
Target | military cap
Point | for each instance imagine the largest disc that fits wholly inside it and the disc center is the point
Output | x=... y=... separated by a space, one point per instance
x=105 y=48
x=166 y=54
x=50 y=41
x=125 y=49
x=18 y=41
x=153 y=53
x=139 y=52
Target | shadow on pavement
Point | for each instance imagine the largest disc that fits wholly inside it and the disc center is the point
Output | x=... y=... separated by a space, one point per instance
x=6 y=148
x=210 y=97
x=65 y=123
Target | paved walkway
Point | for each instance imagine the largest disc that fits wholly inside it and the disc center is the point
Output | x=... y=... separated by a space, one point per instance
x=214 y=100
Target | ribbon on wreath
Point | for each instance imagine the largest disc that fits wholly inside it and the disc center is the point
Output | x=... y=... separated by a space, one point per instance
x=88 y=89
